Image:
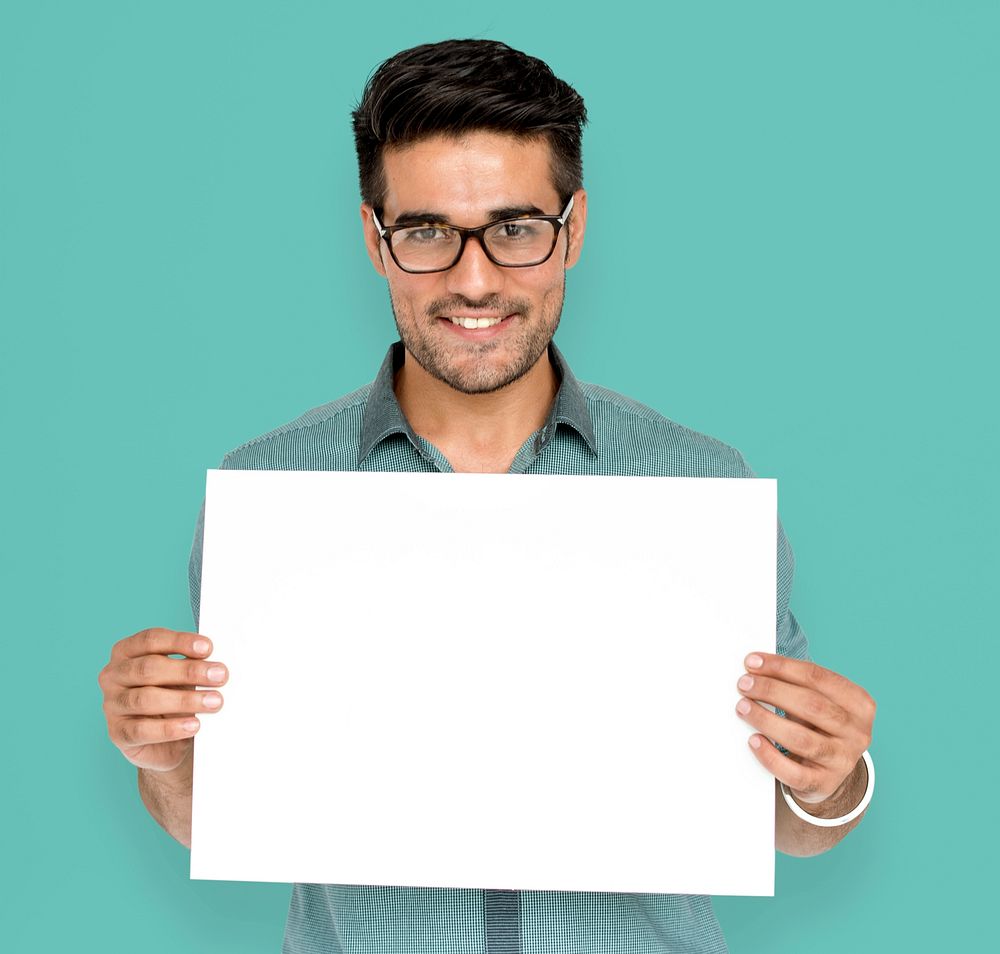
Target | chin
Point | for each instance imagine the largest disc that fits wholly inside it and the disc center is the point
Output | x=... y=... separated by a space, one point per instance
x=482 y=382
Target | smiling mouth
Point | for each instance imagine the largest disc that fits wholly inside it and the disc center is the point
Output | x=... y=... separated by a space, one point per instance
x=465 y=321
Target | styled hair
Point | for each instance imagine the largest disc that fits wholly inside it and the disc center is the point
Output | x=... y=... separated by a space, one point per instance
x=458 y=86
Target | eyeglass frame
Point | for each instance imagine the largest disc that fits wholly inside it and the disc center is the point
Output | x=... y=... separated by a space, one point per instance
x=386 y=232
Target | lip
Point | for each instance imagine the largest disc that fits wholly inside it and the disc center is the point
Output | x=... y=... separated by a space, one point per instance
x=477 y=314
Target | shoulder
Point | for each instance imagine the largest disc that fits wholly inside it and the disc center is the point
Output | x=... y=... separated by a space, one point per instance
x=635 y=436
x=323 y=438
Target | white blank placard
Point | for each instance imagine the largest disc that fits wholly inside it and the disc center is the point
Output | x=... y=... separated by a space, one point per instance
x=486 y=681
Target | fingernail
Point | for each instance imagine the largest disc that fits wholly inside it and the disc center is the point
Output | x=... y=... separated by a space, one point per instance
x=755 y=741
x=216 y=673
x=743 y=706
x=201 y=646
x=212 y=700
x=190 y=725
x=746 y=682
x=754 y=661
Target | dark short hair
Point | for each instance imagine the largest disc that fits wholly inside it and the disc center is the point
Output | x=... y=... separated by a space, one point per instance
x=457 y=86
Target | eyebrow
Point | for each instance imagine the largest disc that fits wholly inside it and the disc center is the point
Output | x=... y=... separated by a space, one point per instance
x=423 y=217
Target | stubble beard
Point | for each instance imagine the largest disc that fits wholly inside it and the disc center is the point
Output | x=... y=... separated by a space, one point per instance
x=427 y=342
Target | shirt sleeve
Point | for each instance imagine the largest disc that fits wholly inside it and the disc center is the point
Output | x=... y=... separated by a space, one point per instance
x=789 y=637
x=194 y=566
x=791 y=640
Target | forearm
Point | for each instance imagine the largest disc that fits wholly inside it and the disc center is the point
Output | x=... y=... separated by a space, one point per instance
x=167 y=797
x=793 y=836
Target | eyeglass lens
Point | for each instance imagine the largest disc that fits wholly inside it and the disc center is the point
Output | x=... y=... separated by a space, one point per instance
x=517 y=242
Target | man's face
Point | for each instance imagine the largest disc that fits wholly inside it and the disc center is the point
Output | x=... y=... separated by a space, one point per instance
x=465 y=182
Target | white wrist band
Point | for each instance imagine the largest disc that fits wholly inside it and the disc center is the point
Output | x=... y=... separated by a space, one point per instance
x=844 y=819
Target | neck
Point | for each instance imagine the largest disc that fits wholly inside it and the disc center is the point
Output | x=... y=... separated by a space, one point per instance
x=476 y=432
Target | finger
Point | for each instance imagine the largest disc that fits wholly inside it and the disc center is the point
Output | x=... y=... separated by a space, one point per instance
x=815 y=747
x=806 y=705
x=164 y=671
x=808 y=675
x=806 y=781
x=150 y=700
x=130 y=732
x=158 y=641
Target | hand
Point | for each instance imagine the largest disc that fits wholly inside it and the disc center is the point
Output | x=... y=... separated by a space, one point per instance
x=150 y=701
x=829 y=723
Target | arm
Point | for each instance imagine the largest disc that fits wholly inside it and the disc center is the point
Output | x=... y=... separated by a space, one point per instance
x=827 y=726
x=795 y=837
x=151 y=706
x=167 y=794
x=167 y=797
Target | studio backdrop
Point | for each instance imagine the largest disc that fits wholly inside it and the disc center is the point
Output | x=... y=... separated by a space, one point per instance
x=792 y=246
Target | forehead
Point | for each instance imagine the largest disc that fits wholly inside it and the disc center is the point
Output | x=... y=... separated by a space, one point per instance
x=467 y=176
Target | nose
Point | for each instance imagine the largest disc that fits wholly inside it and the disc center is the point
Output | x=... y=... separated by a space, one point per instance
x=474 y=276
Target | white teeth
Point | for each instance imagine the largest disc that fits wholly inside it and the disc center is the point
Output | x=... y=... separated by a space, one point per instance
x=476 y=322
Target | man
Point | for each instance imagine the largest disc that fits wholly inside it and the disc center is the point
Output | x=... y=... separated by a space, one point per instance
x=473 y=209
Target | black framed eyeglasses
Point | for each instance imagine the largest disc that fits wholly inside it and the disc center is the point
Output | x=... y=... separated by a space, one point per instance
x=512 y=243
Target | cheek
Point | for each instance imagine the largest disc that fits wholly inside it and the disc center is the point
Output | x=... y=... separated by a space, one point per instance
x=555 y=284
x=408 y=295
x=543 y=285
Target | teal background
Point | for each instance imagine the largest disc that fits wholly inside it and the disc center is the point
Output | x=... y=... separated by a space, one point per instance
x=792 y=246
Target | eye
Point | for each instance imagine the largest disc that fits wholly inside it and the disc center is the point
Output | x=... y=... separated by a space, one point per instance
x=425 y=235
x=515 y=231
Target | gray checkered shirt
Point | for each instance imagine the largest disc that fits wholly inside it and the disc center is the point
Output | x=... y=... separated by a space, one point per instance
x=589 y=430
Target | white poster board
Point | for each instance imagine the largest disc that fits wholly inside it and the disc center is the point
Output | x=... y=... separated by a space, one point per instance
x=486 y=681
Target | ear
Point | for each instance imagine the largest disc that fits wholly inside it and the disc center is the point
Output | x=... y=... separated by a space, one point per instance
x=576 y=226
x=373 y=242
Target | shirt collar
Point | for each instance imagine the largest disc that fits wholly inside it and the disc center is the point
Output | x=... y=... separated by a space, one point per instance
x=383 y=415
